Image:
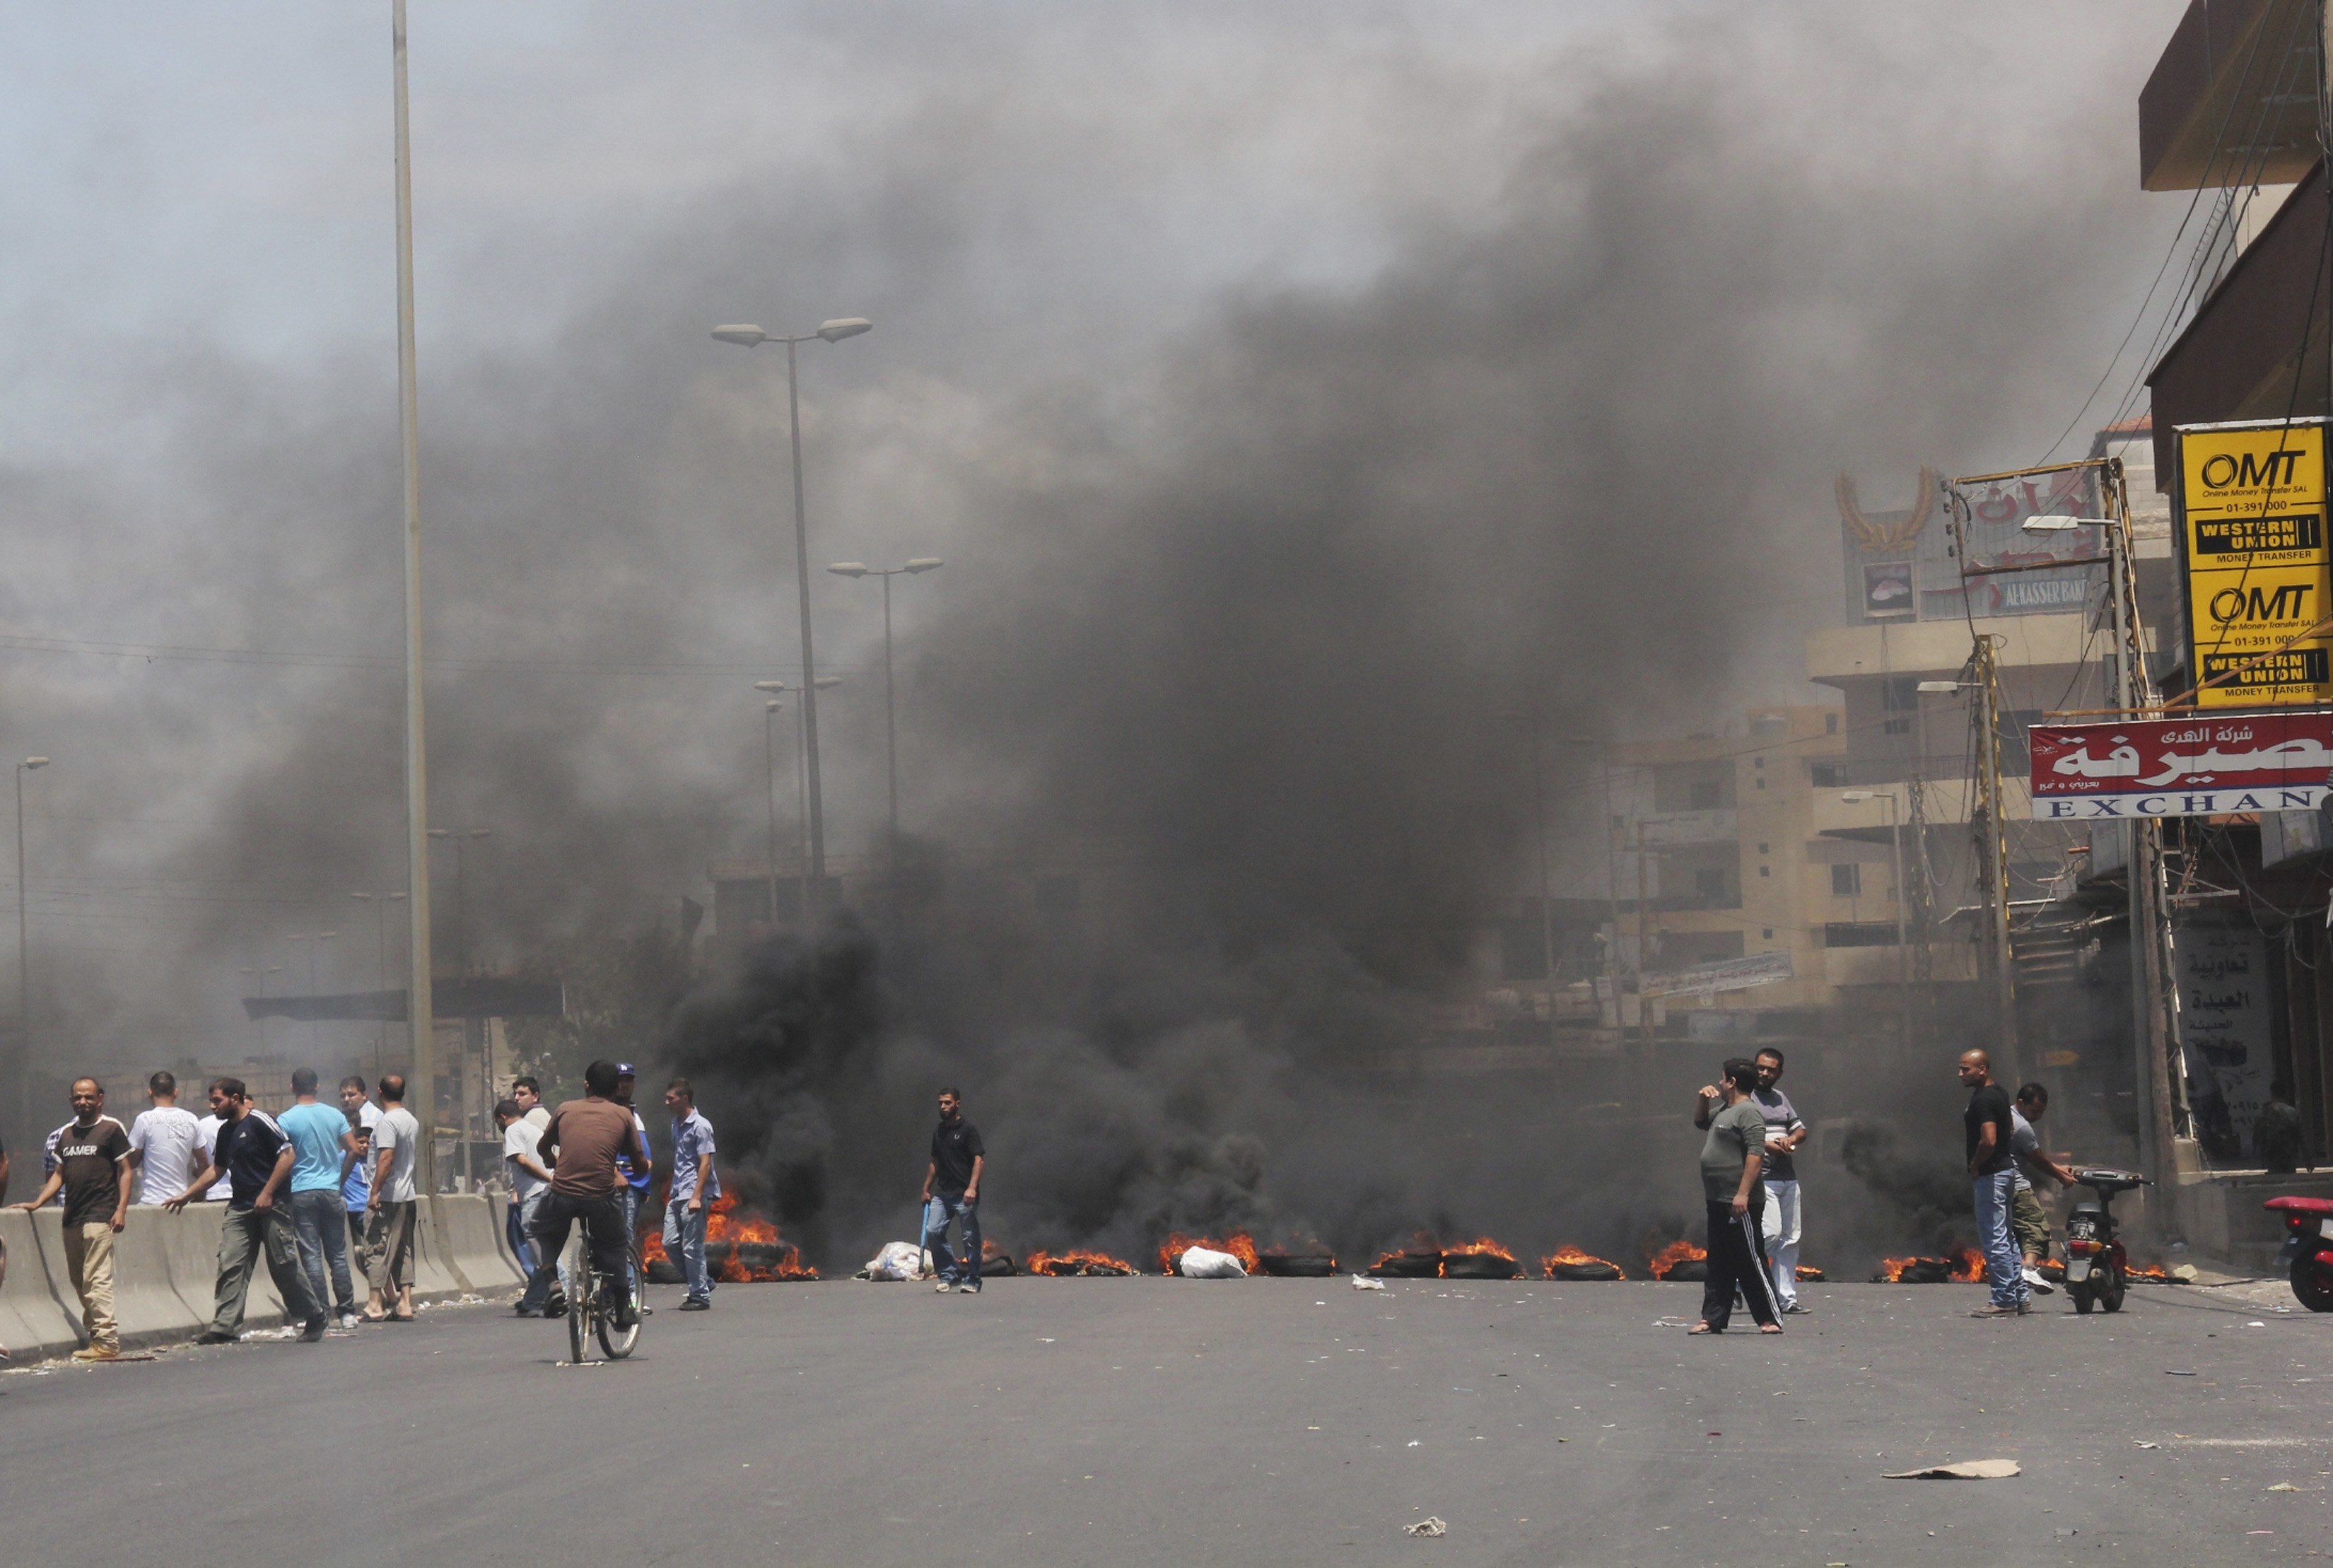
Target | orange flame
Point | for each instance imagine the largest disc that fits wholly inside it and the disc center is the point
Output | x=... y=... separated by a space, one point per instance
x=1675 y=1252
x=723 y=1224
x=1570 y=1257
x=1971 y=1270
x=1239 y=1243
x=1481 y=1247
x=1076 y=1260
x=1964 y=1267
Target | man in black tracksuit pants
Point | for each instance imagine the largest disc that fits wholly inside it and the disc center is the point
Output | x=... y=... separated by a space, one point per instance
x=1731 y=1158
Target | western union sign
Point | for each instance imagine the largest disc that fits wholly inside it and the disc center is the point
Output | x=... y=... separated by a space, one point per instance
x=2259 y=581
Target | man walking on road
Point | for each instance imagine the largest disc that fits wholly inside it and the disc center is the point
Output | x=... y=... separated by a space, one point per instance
x=321 y=1144
x=1777 y=1218
x=93 y=1172
x=166 y=1143
x=1992 y=1172
x=257 y=1159
x=952 y=1192
x=695 y=1183
x=529 y=1179
x=389 y=1207
x=1733 y=1157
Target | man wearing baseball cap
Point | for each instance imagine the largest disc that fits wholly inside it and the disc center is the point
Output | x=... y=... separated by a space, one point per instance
x=634 y=1189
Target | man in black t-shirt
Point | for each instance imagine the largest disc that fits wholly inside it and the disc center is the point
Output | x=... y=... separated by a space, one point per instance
x=952 y=1192
x=92 y=1170
x=1993 y=1170
x=256 y=1158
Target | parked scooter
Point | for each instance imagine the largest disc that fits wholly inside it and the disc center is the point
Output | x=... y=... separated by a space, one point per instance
x=2097 y=1270
x=2306 y=1256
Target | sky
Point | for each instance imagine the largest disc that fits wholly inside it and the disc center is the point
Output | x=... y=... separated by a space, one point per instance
x=1129 y=267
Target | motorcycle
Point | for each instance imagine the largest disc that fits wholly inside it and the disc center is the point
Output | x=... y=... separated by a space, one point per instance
x=2097 y=1270
x=2306 y=1256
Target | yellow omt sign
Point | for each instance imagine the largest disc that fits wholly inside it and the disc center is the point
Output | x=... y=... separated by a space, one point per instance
x=2259 y=580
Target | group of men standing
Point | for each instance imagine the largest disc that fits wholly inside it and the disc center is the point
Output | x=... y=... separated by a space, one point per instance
x=300 y=1191
x=1749 y=1182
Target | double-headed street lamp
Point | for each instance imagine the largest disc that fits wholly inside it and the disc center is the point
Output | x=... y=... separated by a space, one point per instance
x=380 y=903
x=833 y=331
x=920 y=565
x=769 y=756
x=461 y=904
x=24 y=947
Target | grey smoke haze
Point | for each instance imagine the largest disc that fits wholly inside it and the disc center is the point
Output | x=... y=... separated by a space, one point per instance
x=1295 y=397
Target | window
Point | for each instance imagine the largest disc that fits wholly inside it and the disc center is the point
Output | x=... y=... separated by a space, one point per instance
x=1709 y=884
x=1829 y=775
x=1706 y=795
x=1762 y=848
x=1847 y=880
x=1830 y=727
x=1868 y=934
x=1900 y=694
x=1758 y=761
x=1896 y=727
x=1766 y=870
x=1766 y=933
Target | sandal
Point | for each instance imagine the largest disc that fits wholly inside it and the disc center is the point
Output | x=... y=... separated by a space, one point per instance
x=1703 y=1329
x=1770 y=1328
x=372 y=1317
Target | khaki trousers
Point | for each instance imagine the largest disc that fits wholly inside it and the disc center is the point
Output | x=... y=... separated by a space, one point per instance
x=89 y=1258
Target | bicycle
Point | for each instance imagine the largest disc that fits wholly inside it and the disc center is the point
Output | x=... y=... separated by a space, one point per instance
x=587 y=1314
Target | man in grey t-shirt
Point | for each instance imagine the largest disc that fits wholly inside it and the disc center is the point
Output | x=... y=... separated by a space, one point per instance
x=1732 y=1157
x=2027 y=1218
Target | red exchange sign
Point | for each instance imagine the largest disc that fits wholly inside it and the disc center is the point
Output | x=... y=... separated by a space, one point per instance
x=2181 y=768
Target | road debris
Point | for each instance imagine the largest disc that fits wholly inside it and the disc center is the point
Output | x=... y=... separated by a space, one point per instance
x=1361 y=1283
x=1429 y=1525
x=1965 y=1470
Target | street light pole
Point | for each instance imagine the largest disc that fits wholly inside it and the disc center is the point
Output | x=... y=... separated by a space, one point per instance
x=832 y=331
x=419 y=1009
x=802 y=780
x=461 y=894
x=920 y=565
x=379 y=902
x=770 y=768
x=23 y=949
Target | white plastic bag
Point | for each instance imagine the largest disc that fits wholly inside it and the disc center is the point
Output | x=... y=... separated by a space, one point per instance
x=897 y=1260
x=1206 y=1262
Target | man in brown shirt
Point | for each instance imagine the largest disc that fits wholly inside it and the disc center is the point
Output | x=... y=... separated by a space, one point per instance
x=580 y=1146
x=93 y=1173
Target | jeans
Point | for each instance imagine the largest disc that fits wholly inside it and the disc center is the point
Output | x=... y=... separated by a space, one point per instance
x=1995 y=1195
x=1779 y=1224
x=514 y=1215
x=247 y=1235
x=89 y=1259
x=943 y=1208
x=603 y=1232
x=318 y=1225
x=628 y=1198
x=684 y=1243
x=1736 y=1260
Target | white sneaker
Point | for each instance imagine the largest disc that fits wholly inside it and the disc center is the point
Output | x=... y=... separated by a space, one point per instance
x=347 y=1321
x=942 y=1287
x=2037 y=1285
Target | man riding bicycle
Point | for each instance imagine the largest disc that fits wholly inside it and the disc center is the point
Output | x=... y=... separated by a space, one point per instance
x=582 y=1145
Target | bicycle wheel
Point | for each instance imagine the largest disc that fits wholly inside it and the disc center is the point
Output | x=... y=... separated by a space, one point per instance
x=614 y=1342
x=582 y=1297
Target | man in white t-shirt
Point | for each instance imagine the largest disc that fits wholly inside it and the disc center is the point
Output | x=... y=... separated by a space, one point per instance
x=207 y=1130
x=389 y=1207
x=166 y=1143
x=530 y=1178
x=352 y=1101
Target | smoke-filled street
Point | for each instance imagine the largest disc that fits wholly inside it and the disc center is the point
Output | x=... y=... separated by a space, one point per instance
x=1182 y=1422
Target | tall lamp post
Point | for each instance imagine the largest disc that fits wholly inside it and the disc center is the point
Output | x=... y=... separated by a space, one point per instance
x=833 y=331
x=380 y=903
x=461 y=898
x=770 y=711
x=23 y=949
x=803 y=780
x=854 y=569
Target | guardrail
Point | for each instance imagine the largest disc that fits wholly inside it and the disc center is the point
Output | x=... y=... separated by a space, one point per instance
x=165 y=1269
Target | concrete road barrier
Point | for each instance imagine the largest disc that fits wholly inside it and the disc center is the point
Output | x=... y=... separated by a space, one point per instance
x=166 y=1272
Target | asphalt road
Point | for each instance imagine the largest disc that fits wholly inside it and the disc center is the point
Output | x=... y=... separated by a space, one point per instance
x=1185 y=1422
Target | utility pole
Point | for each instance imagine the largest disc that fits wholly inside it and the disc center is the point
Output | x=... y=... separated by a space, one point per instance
x=1546 y=881
x=1644 y=953
x=1983 y=673
x=419 y=1011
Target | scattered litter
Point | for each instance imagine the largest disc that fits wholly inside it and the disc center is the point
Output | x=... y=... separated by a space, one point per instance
x=2186 y=1271
x=251 y=1336
x=579 y=1364
x=2256 y=1323
x=2259 y=1531
x=1415 y=1444
x=897 y=1260
x=1361 y=1283
x=1206 y=1263
x=2168 y=1372
x=2150 y=1444
x=1429 y=1525
x=1967 y=1470
x=2284 y=1486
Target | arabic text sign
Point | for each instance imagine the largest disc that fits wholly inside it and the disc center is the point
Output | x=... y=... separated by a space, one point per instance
x=2190 y=767
x=2253 y=550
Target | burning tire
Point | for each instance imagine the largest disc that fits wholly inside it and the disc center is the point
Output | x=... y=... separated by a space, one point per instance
x=1297 y=1266
x=1407 y=1266
x=997 y=1266
x=1597 y=1269
x=1686 y=1271
x=663 y=1271
x=748 y=1262
x=1478 y=1265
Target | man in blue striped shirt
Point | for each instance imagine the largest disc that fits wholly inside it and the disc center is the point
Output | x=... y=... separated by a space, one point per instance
x=695 y=1185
